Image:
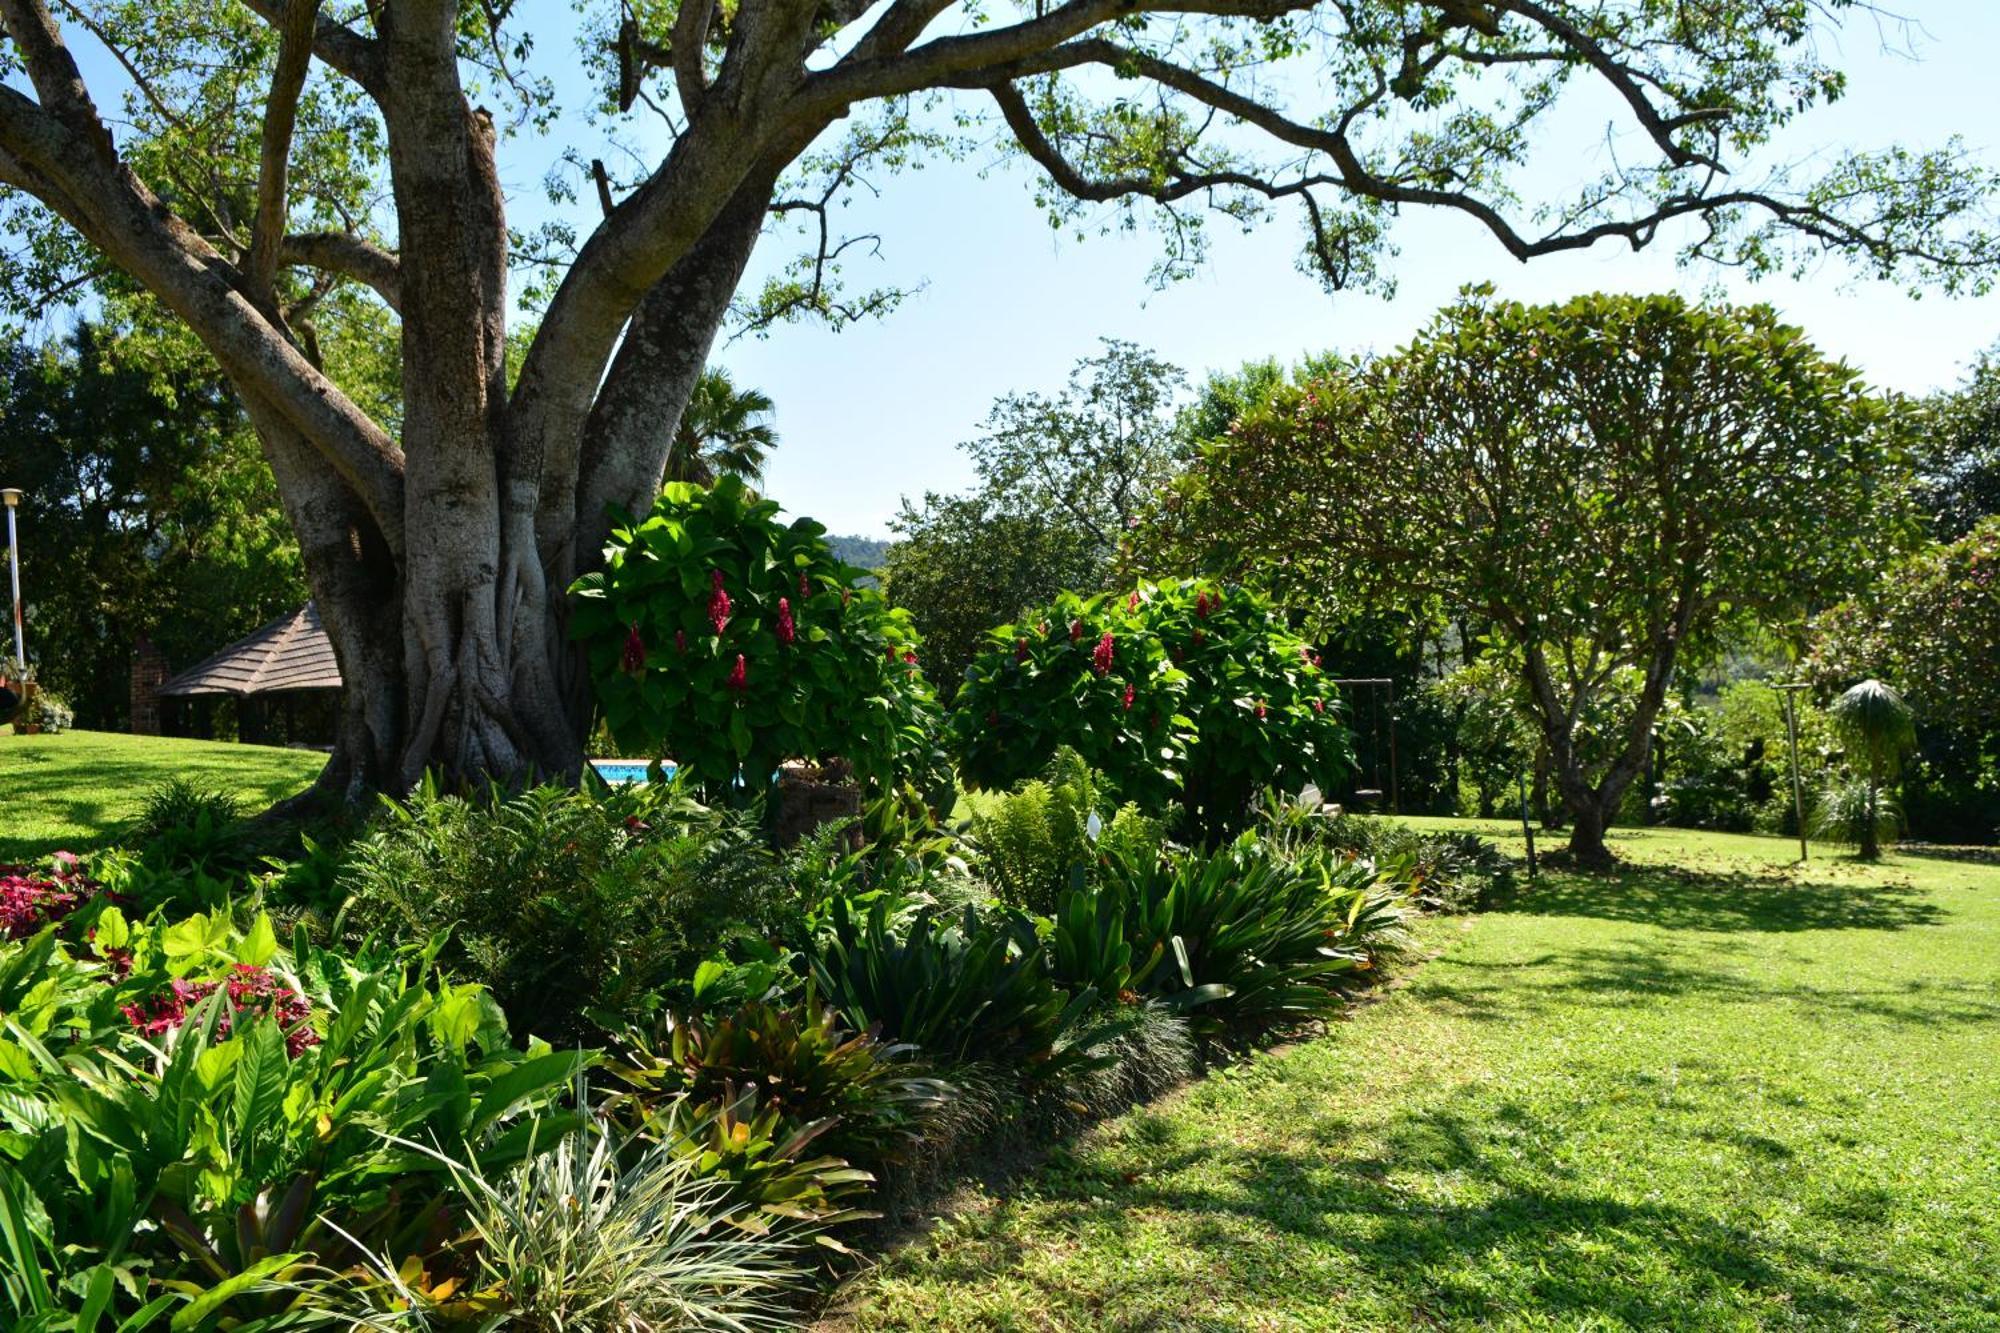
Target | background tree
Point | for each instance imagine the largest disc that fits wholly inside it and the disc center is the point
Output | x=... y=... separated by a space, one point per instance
x=963 y=564
x=1062 y=480
x=1616 y=485
x=1959 y=460
x=1878 y=730
x=1932 y=624
x=148 y=511
x=723 y=432
x=278 y=167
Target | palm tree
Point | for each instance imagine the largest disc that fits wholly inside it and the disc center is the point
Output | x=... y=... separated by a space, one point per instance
x=725 y=431
x=1874 y=723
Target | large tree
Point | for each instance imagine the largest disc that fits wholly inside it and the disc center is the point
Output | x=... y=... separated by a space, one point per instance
x=1616 y=486
x=273 y=158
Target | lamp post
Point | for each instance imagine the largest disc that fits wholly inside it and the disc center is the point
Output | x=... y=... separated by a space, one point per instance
x=13 y=498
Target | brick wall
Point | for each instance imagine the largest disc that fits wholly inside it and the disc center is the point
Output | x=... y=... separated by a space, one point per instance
x=149 y=672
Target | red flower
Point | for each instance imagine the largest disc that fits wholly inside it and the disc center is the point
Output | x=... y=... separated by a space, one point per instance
x=1042 y=628
x=787 y=631
x=739 y=675
x=1201 y=605
x=1100 y=658
x=251 y=990
x=1260 y=712
x=892 y=652
x=634 y=660
x=1130 y=693
x=805 y=587
x=910 y=658
x=1075 y=631
x=681 y=641
x=1020 y=650
x=1200 y=638
x=1319 y=705
x=1132 y=602
x=718 y=602
x=845 y=593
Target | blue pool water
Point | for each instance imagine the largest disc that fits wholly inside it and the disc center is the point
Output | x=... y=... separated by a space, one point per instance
x=621 y=771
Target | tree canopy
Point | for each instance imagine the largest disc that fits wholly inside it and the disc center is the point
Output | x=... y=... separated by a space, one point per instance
x=1614 y=485
x=306 y=183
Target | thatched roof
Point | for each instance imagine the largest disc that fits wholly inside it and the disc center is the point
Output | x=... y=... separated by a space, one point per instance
x=292 y=653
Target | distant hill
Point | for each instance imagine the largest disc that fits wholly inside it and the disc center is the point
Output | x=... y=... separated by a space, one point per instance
x=867 y=552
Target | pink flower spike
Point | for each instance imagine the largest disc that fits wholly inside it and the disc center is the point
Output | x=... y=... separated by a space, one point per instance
x=1100 y=657
x=634 y=658
x=787 y=631
x=739 y=675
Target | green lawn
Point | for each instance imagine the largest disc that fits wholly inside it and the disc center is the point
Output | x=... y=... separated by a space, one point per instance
x=1728 y=1094
x=77 y=790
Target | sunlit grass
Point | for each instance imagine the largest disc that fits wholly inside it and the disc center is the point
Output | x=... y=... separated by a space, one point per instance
x=79 y=789
x=1712 y=1091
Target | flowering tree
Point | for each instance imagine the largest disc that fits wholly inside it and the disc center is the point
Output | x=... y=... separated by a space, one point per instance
x=1612 y=484
x=733 y=642
x=1187 y=691
x=311 y=188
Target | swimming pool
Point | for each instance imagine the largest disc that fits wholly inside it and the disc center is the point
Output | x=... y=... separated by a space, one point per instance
x=622 y=771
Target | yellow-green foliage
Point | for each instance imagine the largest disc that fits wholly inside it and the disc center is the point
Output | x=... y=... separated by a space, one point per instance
x=1035 y=842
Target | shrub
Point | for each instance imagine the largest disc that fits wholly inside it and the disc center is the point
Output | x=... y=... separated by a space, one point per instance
x=972 y=986
x=187 y=830
x=573 y=906
x=1189 y=692
x=597 y=1233
x=273 y=1103
x=1850 y=812
x=1248 y=937
x=735 y=643
x=869 y=1096
x=1038 y=841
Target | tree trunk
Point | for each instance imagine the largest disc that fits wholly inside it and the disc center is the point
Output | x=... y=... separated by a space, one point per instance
x=1588 y=820
x=1871 y=847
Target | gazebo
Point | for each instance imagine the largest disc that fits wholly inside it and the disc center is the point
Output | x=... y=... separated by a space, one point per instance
x=283 y=680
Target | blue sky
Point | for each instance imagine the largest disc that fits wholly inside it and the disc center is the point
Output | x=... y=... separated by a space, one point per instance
x=875 y=412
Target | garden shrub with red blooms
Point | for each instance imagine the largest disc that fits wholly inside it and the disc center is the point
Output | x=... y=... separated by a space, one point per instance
x=31 y=898
x=733 y=643
x=253 y=992
x=1189 y=692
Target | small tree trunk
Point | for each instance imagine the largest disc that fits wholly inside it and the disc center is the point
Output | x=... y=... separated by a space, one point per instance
x=1871 y=848
x=1588 y=820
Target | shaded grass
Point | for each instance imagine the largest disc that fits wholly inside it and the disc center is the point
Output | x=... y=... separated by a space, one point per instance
x=1710 y=1091
x=80 y=789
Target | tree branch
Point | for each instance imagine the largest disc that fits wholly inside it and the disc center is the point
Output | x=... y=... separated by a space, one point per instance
x=350 y=256
x=281 y=107
x=342 y=48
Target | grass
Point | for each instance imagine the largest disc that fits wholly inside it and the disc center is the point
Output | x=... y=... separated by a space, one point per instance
x=1712 y=1091
x=77 y=790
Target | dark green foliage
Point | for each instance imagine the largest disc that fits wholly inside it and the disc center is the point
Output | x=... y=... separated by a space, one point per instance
x=969 y=986
x=733 y=643
x=148 y=510
x=187 y=827
x=1191 y=692
x=1247 y=936
x=573 y=906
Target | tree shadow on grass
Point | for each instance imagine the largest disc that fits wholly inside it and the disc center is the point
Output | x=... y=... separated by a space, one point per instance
x=1635 y=977
x=1677 y=899
x=1453 y=1216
